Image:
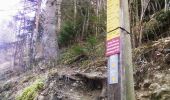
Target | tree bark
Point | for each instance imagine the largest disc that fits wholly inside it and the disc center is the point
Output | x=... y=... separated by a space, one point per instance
x=126 y=54
x=52 y=29
x=166 y=5
x=75 y=13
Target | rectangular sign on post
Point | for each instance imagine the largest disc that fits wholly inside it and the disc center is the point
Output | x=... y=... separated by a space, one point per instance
x=113 y=39
x=113 y=43
x=113 y=64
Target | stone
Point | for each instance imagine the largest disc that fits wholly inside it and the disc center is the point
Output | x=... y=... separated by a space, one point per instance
x=159 y=76
x=51 y=85
x=40 y=97
x=167 y=58
x=145 y=95
x=55 y=97
x=162 y=93
x=75 y=84
x=146 y=84
x=154 y=86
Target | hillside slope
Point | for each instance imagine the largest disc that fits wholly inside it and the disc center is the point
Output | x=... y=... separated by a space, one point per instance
x=152 y=70
x=84 y=78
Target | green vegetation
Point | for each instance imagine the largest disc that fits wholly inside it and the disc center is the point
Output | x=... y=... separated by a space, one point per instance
x=156 y=26
x=79 y=50
x=91 y=42
x=29 y=93
x=84 y=53
x=81 y=21
x=67 y=34
x=91 y=46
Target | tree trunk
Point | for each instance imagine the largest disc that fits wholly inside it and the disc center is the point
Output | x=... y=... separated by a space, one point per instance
x=166 y=4
x=75 y=13
x=126 y=54
x=144 y=6
x=97 y=15
x=51 y=29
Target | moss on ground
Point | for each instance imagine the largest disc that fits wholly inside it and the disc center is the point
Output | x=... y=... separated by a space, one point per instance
x=29 y=93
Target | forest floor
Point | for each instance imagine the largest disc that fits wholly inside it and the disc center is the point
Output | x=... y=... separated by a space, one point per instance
x=61 y=83
x=84 y=79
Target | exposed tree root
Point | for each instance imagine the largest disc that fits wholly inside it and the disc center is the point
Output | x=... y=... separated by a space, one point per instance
x=95 y=81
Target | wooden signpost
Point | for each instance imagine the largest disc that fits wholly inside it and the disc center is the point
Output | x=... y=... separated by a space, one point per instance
x=118 y=51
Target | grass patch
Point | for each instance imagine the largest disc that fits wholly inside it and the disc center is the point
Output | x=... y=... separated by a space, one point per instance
x=29 y=93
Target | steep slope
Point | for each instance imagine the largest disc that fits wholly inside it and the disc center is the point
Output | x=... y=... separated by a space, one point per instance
x=152 y=70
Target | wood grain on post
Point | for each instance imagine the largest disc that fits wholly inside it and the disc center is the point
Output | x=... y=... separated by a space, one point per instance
x=126 y=52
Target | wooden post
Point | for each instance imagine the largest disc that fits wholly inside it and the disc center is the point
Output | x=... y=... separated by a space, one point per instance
x=126 y=52
x=122 y=88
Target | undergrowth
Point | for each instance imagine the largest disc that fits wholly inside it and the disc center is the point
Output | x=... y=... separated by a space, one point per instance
x=93 y=48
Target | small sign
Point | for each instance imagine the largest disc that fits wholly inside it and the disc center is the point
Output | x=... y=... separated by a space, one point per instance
x=112 y=44
x=113 y=64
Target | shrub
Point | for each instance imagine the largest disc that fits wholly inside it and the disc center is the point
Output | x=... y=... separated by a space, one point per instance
x=91 y=46
x=91 y=41
x=78 y=50
x=162 y=16
x=157 y=25
x=67 y=33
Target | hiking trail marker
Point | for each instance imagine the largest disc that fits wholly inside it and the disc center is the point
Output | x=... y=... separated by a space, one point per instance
x=113 y=40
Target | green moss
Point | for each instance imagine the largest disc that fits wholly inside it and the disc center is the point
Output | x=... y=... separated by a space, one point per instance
x=29 y=93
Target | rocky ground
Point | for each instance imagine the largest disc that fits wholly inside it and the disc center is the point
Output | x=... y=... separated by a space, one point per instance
x=59 y=84
x=152 y=70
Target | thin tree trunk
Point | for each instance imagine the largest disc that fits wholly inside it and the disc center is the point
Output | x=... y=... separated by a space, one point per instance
x=75 y=13
x=144 y=6
x=87 y=21
x=126 y=54
x=97 y=15
x=166 y=4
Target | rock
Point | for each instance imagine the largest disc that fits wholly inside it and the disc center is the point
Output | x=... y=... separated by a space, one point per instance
x=144 y=95
x=55 y=97
x=45 y=92
x=154 y=86
x=159 y=76
x=52 y=75
x=157 y=67
x=162 y=93
x=167 y=58
x=146 y=84
x=75 y=84
x=40 y=97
